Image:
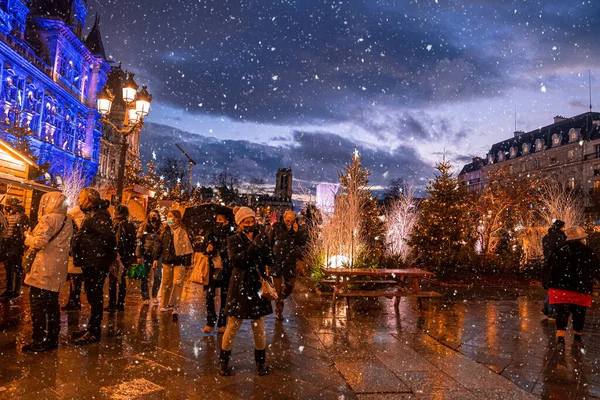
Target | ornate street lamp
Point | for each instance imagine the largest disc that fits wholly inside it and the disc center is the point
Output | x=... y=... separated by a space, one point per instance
x=137 y=106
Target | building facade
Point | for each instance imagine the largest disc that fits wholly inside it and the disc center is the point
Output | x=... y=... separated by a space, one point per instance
x=567 y=150
x=50 y=76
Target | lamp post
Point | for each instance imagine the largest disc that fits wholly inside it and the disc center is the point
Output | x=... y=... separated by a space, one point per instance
x=137 y=106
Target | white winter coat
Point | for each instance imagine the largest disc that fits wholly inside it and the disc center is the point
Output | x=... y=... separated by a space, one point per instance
x=49 y=269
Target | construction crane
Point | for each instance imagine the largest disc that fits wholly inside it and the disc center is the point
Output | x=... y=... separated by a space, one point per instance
x=191 y=165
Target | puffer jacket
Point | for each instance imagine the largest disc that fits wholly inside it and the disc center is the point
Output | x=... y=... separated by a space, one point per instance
x=147 y=235
x=574 y=267
x=165 y=248
x=49 y=269
x=94 y=244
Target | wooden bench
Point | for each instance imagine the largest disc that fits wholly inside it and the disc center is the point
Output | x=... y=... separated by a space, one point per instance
x=343 y=277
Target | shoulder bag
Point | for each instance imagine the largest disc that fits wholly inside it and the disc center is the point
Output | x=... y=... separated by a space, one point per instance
x=31 y=253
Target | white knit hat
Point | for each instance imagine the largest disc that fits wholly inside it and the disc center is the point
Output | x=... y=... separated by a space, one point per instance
x=575 y=233
x=243 y=213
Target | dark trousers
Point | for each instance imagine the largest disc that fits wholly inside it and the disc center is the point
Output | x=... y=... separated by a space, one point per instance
x=94 y=278
x=14 y=273
x=156 y=278
x=76 y=281
x=117 y=289
x=211 y=313
x=45 y=315
x=562 y=316
x=284 y=287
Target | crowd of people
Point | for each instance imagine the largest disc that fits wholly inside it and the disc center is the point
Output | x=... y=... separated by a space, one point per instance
x=86 y=245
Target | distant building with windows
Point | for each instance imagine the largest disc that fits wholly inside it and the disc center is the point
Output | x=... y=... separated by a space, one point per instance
x=50 y=75
x=567 y=150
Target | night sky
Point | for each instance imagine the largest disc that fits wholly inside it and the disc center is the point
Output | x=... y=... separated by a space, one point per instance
x=256 y=85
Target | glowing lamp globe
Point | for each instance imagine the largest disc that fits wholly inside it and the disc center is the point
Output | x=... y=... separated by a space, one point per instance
x=134 y=117
x=130 y=89
x=142 y=102
x=104 y=101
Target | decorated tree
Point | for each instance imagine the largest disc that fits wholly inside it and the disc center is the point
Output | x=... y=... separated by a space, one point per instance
x=443 y=234
x=363 y=223
x=133 y=173
x=153 y=181
x=502 y=207
x=401 y=217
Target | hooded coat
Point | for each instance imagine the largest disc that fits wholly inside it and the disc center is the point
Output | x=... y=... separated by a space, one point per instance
x=552 y=241
x=244 y=300
x=94 y=244
x=49 y=269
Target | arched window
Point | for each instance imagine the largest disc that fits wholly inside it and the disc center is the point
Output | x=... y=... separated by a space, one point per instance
x=500 y=155
x=490 y=159
x=513 y=152
x=538 y=145
x=556 y=139
x=573 y=135
x=526 y=148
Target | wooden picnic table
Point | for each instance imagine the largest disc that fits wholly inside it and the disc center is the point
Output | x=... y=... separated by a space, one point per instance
x=397 y=277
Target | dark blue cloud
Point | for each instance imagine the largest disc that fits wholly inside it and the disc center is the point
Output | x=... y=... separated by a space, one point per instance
x=300 y=61
x=314 y=156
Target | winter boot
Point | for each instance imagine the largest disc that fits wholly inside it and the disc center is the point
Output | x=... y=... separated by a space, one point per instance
x=224 y=368
x=259 y=357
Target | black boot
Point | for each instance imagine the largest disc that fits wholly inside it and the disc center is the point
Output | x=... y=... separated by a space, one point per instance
x=260 y=357
x=224 y=368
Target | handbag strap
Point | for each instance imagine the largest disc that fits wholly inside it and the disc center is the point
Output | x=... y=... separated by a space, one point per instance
x=60 y=230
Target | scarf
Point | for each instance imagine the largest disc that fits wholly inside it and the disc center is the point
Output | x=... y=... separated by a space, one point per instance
x=181 y=242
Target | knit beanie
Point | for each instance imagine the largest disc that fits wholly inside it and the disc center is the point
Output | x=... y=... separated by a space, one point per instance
x=243 y=213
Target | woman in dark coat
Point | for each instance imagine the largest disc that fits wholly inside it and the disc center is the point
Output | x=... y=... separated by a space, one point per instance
x=248 y=254
x=573 y=269
x=215 y=245
x=147 y=236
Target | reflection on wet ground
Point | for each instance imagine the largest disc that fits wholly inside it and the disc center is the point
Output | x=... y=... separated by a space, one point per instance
x=471 y=344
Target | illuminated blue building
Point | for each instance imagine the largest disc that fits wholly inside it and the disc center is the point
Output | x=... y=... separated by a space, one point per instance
x=50 y=75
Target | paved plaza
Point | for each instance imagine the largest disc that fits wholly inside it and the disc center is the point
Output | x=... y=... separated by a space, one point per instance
x=490 y=343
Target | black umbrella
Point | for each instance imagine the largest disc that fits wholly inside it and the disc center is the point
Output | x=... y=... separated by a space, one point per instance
x=200 y=220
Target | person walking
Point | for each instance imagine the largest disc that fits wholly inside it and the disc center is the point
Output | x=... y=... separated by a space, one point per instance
x=286 y=239
x=125 y=234
x=52 y=240
x=75 y=276
x=573 y=269
x=249 y=254
x=551 y=241
x=215 y=246
x=13 y=247
x=175 y=249
x=93 y=251
x=147 y=236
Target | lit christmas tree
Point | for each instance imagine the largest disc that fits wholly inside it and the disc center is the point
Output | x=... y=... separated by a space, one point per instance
x=366 y=224
x=443 y=233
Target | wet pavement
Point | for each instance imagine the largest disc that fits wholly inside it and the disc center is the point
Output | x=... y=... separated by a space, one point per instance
x=470 y=344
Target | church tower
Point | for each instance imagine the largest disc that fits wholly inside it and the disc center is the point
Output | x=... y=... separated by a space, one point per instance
x=283 y=184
